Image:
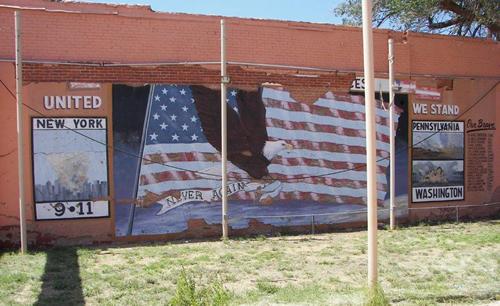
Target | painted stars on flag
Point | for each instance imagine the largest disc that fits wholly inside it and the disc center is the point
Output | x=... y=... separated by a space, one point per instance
x=231 y=99
x=173 y=117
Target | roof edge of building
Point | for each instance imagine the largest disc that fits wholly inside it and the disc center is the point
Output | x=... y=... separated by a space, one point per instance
x=145 y=11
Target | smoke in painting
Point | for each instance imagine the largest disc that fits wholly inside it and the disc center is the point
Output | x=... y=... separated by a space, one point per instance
x=288 y=159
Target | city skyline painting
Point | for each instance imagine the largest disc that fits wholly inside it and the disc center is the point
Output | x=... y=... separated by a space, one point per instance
x=67 y=166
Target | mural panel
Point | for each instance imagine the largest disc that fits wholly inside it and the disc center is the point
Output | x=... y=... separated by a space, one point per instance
x=70 y=168
x=438 y=161
x=288 y=160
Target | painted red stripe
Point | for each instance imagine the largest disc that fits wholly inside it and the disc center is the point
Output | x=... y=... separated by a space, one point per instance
x=334 y=166
x=166 y=176
x=297 y=144
x=323 y=111
x=323 y=128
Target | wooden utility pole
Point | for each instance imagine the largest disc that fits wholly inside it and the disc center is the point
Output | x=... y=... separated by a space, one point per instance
x=20 y=134
x=223 y=106
x=371 y=144
x=392 y=166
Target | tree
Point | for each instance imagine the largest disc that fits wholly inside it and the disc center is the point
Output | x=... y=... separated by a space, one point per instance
x=474 y=18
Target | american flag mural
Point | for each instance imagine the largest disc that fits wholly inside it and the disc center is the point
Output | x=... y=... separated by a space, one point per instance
x=326 y=164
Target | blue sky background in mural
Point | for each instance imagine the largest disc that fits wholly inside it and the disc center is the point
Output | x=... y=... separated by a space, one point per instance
x=319 y=11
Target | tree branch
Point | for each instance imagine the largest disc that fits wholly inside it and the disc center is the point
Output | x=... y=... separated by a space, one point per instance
x=379 y=22
x=444 y=24
x=464 y=15
x=473 y=34
x=452 y=6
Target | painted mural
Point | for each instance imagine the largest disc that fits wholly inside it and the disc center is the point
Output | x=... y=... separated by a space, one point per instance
x=70 y=168
x=438 y=161
x=288 y=160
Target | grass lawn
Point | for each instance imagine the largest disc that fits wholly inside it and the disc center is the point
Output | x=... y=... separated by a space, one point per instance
x=449 y=264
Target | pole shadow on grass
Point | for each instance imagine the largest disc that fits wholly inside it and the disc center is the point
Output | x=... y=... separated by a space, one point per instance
x=62 y=284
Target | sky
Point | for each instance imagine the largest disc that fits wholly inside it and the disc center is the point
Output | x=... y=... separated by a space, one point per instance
x=318 y=11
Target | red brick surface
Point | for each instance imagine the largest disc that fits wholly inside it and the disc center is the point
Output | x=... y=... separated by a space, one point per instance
x=185 y=74
x=109 y=33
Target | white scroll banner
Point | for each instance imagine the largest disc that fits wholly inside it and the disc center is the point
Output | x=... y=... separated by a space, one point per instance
x=196 y=195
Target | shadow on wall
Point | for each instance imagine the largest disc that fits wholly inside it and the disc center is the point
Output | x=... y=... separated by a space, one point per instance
x=61 y=279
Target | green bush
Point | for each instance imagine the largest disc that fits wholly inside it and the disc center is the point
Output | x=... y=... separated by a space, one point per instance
x=215 y=294
x=187 y=294
x=376 y=297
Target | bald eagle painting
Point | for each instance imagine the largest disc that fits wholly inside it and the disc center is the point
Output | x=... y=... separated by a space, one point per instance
x=285 y=156
x=249 y=147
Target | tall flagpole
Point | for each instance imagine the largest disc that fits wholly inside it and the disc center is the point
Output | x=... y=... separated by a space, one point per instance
x=392 y=188
x=223 y=104
x=370 y=142
x=20 y=139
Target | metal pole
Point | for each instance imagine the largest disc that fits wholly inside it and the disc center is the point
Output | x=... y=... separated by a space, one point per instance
x=223 y=104
x=392 y=188
x=20 y=138
x=371 y=144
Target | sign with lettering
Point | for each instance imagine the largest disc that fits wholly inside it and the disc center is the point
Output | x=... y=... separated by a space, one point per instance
x=72 y=102
x=480 y=153
x=438 y=161
x=436 y=109
x=382 y=85
x=186 y=196
x=70 y=171
x=72 y=210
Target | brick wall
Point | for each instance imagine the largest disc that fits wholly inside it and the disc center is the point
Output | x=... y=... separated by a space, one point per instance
x=316 y=83
x=131 y=34
x=185 y=74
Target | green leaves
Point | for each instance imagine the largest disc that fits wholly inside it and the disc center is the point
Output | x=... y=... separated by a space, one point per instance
x=478 y=18
x=187 y=293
